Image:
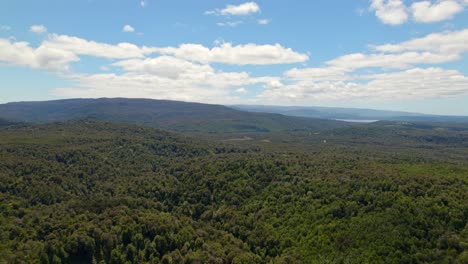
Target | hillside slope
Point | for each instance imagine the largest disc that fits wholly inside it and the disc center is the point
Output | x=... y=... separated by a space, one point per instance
x=172 y=115
x=4 y=122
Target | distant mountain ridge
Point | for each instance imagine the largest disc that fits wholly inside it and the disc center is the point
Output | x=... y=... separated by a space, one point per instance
x=164 y=114
x=337 y=113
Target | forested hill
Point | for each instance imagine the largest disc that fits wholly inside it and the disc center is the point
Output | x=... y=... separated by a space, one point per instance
x=4 y=122
x=94 y=192
x=172 y=115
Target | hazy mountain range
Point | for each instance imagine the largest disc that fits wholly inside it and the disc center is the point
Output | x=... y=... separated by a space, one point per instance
x=203 y=118
x=171 y=115
x=357 y=114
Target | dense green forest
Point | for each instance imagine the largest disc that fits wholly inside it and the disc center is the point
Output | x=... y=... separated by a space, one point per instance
x=95 y=192
x=4 y=122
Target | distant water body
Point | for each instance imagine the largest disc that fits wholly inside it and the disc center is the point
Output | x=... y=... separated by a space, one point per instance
x=357 y=121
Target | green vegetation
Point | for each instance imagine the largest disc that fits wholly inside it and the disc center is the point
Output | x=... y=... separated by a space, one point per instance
x=4 y=123
x=94 y=192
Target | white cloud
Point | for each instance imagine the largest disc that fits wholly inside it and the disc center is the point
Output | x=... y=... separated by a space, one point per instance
x=435 y=48
x=58 y=51
x=229 y=23
x=415 y=83
x=338 y=80
x=163 y=77
x=128 y=28
x=225 y=53
x=391 y=12
x=136 y=86
x=418 y=83
x=164 y=66
x=92 y=48
x=242 y=91
x=389 y=61
x=273 y=83
x=395 y=12
x=205 y=85
x=236 y=10
x=239 y=55
x=143 y=3
x=263 y=21
x=20 y=53
x=449 y=43
x=38 y=29
x=188 y=72
x=427 y=12
x=318 y=74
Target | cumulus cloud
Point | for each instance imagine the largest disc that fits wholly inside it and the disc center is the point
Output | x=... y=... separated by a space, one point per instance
x=395 y=12
x=273 y=83
x=427 y=12
x=252 y=54
x=389 y=61
x=128 y=28
x=133 y=85
x=415 y=83
x=401 y=74
x=164 y=66
x=198 y=84
x=97 y=49
x=165 y=77
x=188 y=72
x=236 y=10
x=340 y=69
x=38 y=29
x=318 y=74
x=419 y=83
x=20 y=53
x=391 y=12
x=449 y=43
x=58 y=51
x=435 y=48
x=242 y=91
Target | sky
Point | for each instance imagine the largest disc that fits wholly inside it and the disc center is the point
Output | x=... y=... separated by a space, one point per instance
x=382 y=54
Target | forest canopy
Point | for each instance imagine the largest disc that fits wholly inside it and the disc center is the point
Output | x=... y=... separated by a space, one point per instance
x=95 y=192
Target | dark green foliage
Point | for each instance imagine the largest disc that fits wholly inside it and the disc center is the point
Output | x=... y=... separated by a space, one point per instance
x=94 y=192
x=4 y=123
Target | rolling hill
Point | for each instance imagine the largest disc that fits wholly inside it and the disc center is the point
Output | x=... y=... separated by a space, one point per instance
x=171 y=115
x=4 y=122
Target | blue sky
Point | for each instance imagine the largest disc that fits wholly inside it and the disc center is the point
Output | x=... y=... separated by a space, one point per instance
x=383 y=54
